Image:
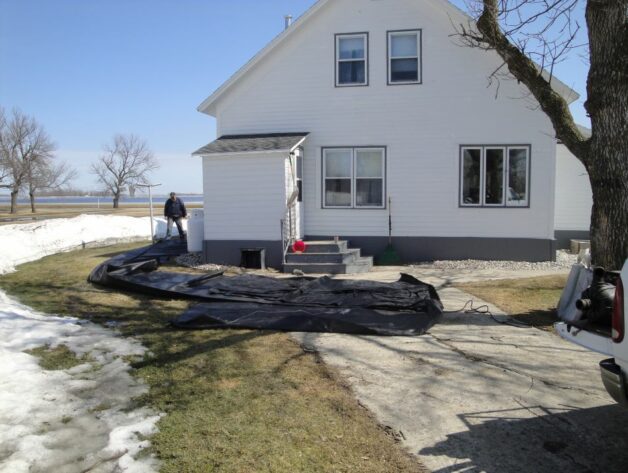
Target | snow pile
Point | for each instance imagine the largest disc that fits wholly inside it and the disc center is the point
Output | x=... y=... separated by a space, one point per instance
x=75 y=420
x=20 y=243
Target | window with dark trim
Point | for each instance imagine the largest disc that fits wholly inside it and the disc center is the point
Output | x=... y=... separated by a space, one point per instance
x=404 y=57
x=352 y=67
x=354 y=177
x=495 y=176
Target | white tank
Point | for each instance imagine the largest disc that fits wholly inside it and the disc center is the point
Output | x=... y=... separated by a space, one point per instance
x=196 y=231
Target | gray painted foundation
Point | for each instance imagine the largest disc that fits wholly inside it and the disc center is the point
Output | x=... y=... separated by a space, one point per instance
x=563 y=237
x=228 y=252
x=419 y=249
x=410 y=249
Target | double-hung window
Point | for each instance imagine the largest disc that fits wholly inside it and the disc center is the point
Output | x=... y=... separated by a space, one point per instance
x=494 y=176
x=351 y=59
x=404 y=57
x=354 y=177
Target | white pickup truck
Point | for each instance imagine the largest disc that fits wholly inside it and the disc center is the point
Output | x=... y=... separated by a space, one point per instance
x=608 y=340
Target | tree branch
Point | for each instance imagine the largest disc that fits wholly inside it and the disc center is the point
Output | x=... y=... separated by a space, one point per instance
x=490 y=36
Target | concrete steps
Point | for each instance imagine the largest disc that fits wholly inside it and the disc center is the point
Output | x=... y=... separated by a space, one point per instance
x=328 y=257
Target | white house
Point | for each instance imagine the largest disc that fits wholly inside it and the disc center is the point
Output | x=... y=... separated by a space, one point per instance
x=572 y=217
x=369 y=108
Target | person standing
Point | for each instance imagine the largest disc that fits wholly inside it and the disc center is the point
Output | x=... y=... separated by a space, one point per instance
x=174 y=211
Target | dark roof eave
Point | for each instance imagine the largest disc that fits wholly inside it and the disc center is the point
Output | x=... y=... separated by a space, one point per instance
x=252 y=143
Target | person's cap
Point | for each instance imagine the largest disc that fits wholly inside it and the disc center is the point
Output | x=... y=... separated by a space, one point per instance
x=172 y=194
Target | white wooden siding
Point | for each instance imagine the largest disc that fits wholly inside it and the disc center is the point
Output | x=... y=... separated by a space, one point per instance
x=573 y=192
x=422 y=126
x=244 y=196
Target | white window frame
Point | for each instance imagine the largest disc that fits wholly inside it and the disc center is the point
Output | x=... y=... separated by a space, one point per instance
x=461 y=175
x=354 y=178
x=504 y=150
x=505 y=176
x=365 y=37
x=418 y=57
x=325 y=178
x=528 y=173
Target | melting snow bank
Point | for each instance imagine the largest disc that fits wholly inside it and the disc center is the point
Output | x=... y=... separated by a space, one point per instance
x=74 y=420
x=20 y=243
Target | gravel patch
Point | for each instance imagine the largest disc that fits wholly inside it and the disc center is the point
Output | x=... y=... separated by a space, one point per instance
x=564 y=260
x=195 y=261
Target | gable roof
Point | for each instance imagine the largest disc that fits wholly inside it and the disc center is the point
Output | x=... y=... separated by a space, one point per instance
x=267 y=142
x=560 y=87
x=204 y=107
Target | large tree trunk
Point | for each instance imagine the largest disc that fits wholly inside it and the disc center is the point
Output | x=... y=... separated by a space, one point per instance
x=14 y=201
x=605 y=154
x=32 y=197
x=607 y=104
x=609 y=217
x=116 y=200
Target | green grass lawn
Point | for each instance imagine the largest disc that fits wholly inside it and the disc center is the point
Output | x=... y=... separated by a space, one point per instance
x=530 y=300
x=236 y=400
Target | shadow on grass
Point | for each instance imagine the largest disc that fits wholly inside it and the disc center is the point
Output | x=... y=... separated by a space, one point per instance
x=149 y=318
x=542 y=319
x=167 y=356
x=125 y=248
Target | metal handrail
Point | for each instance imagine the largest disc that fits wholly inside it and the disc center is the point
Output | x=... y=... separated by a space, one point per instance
x=288 y=237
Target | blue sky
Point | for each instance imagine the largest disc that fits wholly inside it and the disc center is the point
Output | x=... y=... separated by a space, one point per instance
x=88 y=69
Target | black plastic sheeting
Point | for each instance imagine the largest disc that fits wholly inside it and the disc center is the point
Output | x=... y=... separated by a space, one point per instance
x=405 y=307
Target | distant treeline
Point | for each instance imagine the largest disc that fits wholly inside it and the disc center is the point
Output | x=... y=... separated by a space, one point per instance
x=73 y=193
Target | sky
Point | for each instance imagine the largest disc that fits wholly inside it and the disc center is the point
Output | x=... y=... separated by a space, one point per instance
x=88 y=69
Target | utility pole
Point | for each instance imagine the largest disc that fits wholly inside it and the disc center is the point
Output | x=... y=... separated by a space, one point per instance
x=150 y=203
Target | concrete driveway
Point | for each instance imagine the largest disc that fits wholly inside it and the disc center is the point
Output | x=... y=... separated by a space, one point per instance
x=476 y=395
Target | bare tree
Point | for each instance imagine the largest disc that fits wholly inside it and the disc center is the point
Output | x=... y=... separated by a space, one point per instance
x=531 y=35
x=46 y=174
x=23 y=143
x=4 y=162
x=126 y=161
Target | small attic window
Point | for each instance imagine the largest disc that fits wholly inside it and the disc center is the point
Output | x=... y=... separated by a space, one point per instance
x=351 y=59
x=404 y=57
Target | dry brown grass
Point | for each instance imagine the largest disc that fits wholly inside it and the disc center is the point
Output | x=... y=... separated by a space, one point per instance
x=530 y=300
x=24 y=214
x=236 y=400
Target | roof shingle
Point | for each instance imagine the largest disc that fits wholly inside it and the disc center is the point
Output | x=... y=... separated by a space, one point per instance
x=252 y=143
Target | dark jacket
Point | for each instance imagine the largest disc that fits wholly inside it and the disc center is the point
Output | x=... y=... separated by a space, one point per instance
x=175 y=208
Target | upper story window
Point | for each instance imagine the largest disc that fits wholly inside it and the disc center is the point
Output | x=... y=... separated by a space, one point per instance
x=495 y=176
x=354 y=177
x=352 y=59
x=404 y=57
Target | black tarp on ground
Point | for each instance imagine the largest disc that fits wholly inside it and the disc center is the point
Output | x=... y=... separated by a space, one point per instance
x=405 y=307
x=354 y=320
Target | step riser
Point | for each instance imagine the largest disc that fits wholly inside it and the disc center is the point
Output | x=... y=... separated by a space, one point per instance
x=339 y=247
x=360 y=265
x=327 y=257
x=305 y=258
x=332 y=269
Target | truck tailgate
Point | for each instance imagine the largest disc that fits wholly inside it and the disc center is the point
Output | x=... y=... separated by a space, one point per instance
x=590 y=340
